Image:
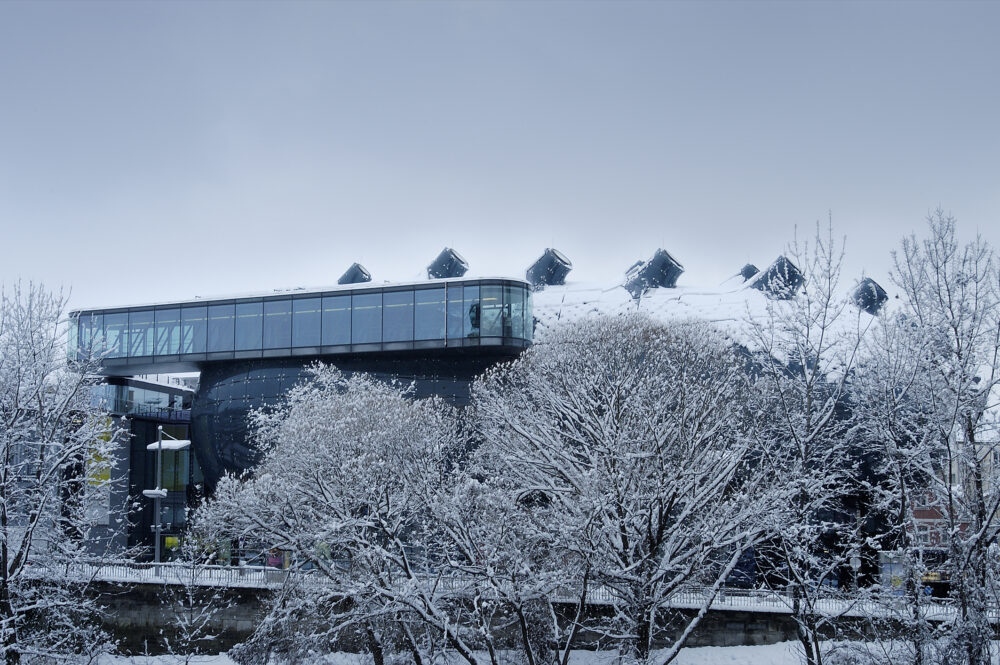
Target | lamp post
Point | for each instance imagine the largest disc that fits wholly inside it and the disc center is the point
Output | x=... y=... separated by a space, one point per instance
x=158 y=494
x=856 y=566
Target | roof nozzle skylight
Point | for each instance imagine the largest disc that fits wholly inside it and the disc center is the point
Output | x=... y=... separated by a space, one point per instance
x=660 y=271
x=356 y=274
x=748 y=271
x=550 y=269
x=869 y=296
x=448 y=263
x=780 y=281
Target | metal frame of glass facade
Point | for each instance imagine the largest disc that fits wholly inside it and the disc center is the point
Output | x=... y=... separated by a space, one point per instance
x=132 y=397
x=427 y=315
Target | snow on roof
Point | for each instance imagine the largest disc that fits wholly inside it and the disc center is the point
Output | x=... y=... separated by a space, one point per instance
x=169 y=444
x=299 y=291
x=727 y=307
x=730 y=307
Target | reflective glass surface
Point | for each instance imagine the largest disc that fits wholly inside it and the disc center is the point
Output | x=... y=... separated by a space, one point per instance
x=140 y=333
x=174 y=470
x=397 y=316
x=221 y=324
x=429 y=314
x=131 y=400
x=168 y=331
x=366 y=318
x=116 y=334
x=91 y=334
x=248 y=326
x=277 y=324
x=491 y=308
x=73 y=343
x=194 y=329
x=457 y=311
x=471 y=317
x=529 y=320
x=306 y=320
x=513 y=312
x=336 y=320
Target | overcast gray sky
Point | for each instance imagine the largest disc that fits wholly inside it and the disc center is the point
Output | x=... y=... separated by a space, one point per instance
x=155 y=151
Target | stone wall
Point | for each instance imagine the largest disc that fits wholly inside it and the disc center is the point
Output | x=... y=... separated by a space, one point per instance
x=143 y=617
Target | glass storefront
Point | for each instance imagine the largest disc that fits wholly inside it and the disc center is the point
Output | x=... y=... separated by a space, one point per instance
x=464 y=310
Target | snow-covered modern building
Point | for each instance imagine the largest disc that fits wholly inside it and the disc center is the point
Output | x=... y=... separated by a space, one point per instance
x=249 y=350
x=437 y=335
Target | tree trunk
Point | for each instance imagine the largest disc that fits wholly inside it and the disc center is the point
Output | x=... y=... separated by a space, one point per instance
x=12 y=654
x=644 y=631
x=802 y=632
x=913 y=593
x=529 y=652
x=378 y=657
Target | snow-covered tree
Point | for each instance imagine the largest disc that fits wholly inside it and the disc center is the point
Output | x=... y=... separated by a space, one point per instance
x=888 y=398
x=55 y=449
x=805 y=347
x=350 y=468
x=501 y=544
x=190 y=601
x=930 y=384
x=630 y=442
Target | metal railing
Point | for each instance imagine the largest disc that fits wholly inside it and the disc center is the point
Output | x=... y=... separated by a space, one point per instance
x=747 y=600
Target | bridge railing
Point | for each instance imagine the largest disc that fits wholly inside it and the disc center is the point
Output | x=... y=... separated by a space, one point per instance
x=753 y=600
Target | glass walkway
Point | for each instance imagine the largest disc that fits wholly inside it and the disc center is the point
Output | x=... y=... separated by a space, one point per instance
x=182 y=336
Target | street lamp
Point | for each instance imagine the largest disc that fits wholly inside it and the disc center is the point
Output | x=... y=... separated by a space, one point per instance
x=856 y=565
x=159 y=493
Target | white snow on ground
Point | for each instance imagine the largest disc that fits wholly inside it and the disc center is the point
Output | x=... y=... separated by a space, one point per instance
x=783 y=653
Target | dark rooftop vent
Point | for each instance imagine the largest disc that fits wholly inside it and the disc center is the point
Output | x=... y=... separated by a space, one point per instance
x=356 y=274
x=660 y=271
x=448 y=263
x=550 y=269
x=748 y=271
x=869 y=296
x=781 y=280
